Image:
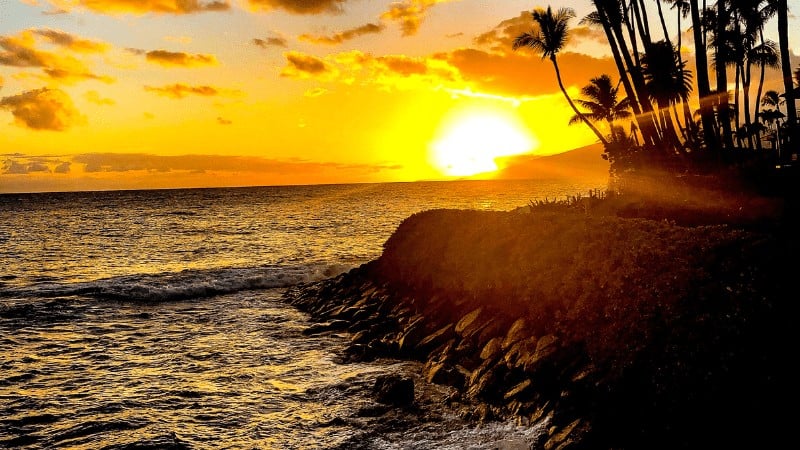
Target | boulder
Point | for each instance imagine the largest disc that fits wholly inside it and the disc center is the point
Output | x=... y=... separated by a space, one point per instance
x=394 y=390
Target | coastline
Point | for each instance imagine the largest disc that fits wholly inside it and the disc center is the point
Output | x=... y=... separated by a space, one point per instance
x=614 y=332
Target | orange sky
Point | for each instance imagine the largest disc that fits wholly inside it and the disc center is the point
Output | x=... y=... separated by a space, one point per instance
x=120 y=94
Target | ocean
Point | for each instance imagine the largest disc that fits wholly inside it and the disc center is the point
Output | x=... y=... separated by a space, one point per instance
x=153 y=319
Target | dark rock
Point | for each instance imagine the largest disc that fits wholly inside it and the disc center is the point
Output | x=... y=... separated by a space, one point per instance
x=518 y=389
x=394 y=390
x=320 y=328
x=436 y=338
x=441 y=373
x=372 y=411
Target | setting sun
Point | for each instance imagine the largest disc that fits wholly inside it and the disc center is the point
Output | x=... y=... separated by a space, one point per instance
x=469 y=144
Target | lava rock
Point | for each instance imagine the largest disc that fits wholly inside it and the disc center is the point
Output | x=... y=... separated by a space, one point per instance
x=394 y=390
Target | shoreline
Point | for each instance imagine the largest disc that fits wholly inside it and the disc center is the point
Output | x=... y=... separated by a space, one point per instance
x=616 y=332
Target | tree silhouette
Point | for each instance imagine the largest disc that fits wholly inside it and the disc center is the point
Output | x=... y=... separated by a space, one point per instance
x=601 y=101
x=549 y=39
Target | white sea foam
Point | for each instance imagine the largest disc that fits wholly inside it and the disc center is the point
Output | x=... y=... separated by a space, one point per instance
x=187 y=284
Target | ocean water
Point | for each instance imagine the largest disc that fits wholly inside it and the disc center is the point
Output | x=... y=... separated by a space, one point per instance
x=153 y=319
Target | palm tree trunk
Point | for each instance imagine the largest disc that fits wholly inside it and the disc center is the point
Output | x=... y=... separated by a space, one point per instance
x=644 y=122
x=736 y=97
x=786 y=70
x=644 y=21
x=663 y=23
x=722 y=77
x=572 y=105
x=703 y=85
x=748 y=123
x=757 y=106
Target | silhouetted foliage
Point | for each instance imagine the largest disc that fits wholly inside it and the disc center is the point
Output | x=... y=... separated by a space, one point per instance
x=673 y=126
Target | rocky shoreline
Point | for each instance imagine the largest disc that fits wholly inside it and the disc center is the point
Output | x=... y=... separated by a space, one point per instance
x=616 y=333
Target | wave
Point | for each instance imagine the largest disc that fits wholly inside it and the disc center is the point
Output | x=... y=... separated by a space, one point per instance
x=184 y=285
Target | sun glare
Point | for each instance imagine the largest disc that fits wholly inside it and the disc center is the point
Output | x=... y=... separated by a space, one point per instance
x=469 y=144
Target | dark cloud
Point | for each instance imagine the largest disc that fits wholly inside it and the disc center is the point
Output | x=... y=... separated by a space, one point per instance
x=181 y=90
x=300 y=6
x=271 y=42
x=43 y=109
x=62 y=167
x=144 y=6
x=343 y=36
x=301 y=65
x=180 y=59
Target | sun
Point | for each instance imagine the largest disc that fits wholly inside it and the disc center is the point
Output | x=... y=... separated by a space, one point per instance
x=469 y=143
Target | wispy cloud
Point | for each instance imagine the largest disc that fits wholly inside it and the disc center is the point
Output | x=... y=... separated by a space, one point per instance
x=143 y=6
x=338 y=38
x=67 y=65
x=180 y=90
x=304 y=66
x=271 y=42
x=180 y=59
x=410 y=14
x=299 y=6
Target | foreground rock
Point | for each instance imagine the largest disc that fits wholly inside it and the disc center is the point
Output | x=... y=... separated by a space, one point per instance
x=618 y=333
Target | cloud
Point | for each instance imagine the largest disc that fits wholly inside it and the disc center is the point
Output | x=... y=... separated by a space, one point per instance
x=94 y=97
x=72 y=42
x=303 y=66
x=404 y=65
x=181 y=90
x=410 y=14
x=62 y=168
x=143 y=6
x=521 y=74
x=20 y=164
x=299 y=6
x=271 y=42
x=501 y=37
x=43 y=109
x=22 y=51
x=127 y=162
x=343 y=36
x=180 y=59
x=223 y=121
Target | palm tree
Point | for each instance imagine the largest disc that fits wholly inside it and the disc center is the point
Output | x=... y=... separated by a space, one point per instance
x=703 y=85
x=773 y=115
x=782 y=10
x=549 y=39
x=668 y=83
x=601 y=101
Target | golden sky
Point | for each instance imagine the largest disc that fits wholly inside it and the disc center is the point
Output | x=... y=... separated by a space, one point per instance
x=121 y=94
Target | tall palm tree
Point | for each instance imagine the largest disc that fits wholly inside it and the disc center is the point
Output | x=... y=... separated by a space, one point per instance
x=782 y=10
x=703 y=85
x=549 y=39
x=601 y=101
